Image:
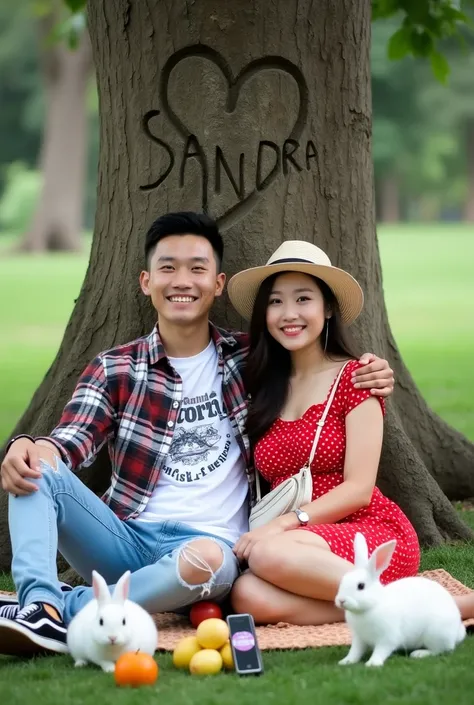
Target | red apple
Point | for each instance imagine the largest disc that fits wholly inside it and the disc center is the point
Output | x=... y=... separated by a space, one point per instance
x=204 y=610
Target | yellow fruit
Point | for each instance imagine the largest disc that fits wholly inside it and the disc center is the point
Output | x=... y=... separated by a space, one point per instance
x=184 y=651
x=212 y=633
x=206 y=662
x=226 y=653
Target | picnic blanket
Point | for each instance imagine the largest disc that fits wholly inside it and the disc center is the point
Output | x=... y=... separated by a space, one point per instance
x=173 y=627
x=288 y=636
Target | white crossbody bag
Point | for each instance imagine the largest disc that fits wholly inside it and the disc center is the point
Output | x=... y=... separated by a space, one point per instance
x=297 y=490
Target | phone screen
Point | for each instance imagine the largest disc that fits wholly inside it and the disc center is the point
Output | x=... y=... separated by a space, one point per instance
x=244 y=643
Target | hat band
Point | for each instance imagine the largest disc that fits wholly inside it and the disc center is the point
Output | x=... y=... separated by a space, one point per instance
x=292 y=259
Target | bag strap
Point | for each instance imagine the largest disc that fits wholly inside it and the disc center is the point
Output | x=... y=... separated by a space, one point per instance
x=322 y=420
x=257 y=485
x=319 y=428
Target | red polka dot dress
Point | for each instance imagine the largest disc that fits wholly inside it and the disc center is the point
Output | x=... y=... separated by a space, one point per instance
x=286 y=447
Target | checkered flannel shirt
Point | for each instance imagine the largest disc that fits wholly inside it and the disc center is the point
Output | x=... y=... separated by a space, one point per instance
x=129 y=397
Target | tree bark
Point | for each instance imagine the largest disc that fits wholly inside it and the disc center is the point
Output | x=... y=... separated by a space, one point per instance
x=469 y=205
x=58 y=218
x=187 y=88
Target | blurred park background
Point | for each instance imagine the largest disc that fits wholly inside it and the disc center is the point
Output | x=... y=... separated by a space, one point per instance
x=423 y=152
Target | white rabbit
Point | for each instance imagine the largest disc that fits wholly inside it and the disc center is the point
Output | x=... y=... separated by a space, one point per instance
x=109 y=626
x=415 y=614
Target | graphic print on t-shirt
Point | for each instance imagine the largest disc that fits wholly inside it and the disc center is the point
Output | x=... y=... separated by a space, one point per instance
x=197 y=444
x=193 y=445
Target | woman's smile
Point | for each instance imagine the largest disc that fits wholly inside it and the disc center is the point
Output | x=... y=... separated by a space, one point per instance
x=292 y=331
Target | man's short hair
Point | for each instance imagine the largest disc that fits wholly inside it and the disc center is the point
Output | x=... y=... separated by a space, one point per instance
x=185 y=223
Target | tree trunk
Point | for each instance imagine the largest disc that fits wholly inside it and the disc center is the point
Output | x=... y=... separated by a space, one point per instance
x=389 y=199
x=469 y=205
x=262 y=116
x=58 y=218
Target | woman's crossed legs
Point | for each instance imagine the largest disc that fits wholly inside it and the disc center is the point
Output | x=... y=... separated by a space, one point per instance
x=294 y=578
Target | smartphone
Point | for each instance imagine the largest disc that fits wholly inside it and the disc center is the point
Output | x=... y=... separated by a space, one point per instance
x=243 y=642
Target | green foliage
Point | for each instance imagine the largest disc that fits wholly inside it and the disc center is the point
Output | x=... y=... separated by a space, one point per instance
x=420 y=125
x=440 y=66
x=69 y=30
x=75 y=5
x=19 y=197
x=69 y=20
x=424 y=25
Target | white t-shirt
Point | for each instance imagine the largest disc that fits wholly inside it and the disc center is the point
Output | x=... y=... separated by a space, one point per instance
x=204 y=483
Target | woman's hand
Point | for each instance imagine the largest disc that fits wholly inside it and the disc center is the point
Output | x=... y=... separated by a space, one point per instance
x=247 y=541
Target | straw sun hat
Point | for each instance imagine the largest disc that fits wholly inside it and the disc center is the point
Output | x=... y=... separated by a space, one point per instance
x=298 y=256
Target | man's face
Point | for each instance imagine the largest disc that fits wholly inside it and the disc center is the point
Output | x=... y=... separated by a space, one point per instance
x=182 y=280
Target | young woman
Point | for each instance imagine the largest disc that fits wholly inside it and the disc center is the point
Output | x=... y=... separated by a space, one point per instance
x=299 y=306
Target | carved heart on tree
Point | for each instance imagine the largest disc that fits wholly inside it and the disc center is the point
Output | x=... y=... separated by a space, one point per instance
x=282 y=153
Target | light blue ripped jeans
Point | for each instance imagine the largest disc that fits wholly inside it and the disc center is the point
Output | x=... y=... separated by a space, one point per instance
x=64 y=514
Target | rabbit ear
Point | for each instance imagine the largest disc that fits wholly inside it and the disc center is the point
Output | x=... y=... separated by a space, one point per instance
x=381 y=557
x=122 y=588
x=101 y=590
x=361 y=552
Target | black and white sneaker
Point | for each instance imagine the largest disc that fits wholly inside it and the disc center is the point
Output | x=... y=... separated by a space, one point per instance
x=9 y=606
x=32 y=631
x=9 y=611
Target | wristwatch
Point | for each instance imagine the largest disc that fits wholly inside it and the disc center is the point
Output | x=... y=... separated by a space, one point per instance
x=303 y=517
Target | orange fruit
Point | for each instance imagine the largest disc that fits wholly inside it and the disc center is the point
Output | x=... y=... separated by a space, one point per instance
x=135 y=669
x=206 y=662
x=227 y=658
x=184 y=651
x=212 y=633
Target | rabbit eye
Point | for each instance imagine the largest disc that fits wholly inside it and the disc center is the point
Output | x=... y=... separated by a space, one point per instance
x=124 y=621
x=361 y=586
x=101 y=622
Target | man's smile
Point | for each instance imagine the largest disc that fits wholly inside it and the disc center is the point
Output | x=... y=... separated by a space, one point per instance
x=180 y=299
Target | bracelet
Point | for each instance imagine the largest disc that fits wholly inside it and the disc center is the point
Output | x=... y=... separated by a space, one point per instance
x=16 y=438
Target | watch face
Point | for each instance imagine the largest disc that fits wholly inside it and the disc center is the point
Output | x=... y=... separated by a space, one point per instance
x=303 y=517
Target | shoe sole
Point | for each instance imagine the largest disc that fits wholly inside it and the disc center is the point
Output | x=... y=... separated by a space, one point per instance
x=16 y=640
x=8 y=600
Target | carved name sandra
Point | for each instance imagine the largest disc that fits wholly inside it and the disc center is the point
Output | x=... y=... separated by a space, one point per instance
x=270 y=160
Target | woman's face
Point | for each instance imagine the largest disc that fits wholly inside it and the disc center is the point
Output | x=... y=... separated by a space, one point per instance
x=296 y=311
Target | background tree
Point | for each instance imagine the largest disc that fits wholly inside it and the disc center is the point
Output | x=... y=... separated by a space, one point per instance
x=452 y=110
x=58 y=219
x=184 y=92
x=48 y=157
x=20 y=116
x=422 y=129
x=396 y=122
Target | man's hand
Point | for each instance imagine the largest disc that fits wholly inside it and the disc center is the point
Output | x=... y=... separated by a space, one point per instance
x=376 y=376
x=21 y=462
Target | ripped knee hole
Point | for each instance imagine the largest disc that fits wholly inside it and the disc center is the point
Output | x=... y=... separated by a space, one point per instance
x=199 y=560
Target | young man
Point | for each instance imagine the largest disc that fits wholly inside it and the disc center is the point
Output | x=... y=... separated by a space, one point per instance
x=172 y=408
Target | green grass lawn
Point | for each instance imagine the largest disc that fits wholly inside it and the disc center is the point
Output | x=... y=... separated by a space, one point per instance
x=429 y=290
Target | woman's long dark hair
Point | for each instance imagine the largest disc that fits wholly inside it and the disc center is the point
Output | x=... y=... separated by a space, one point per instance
x=268 y=368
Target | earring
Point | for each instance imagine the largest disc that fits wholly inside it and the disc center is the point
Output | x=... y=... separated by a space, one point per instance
x=327 y=333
